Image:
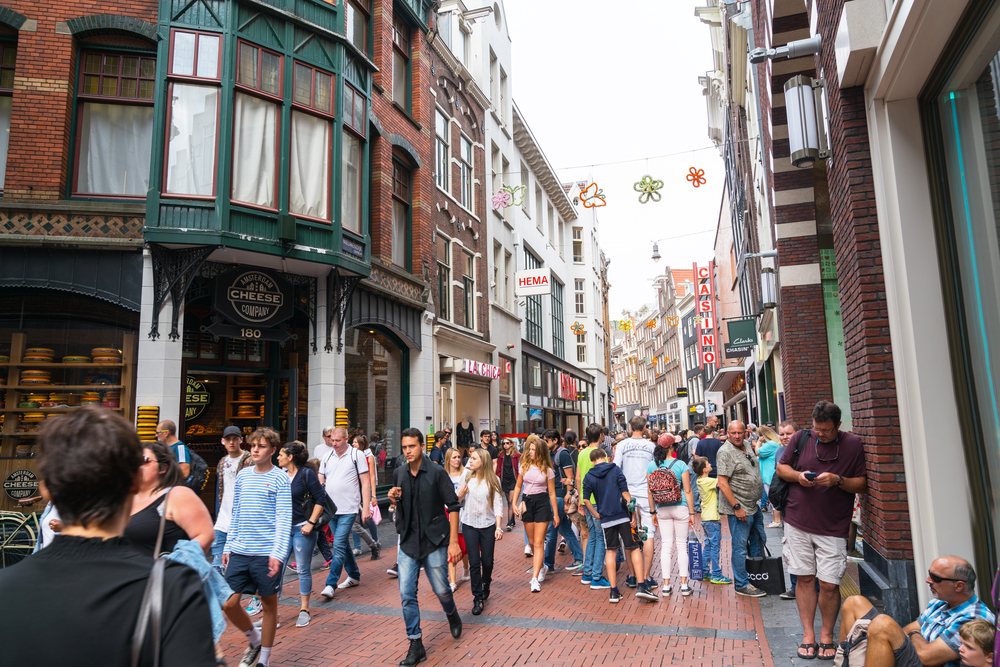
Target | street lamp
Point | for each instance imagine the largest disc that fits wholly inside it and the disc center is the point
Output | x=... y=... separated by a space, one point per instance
x=656 y=253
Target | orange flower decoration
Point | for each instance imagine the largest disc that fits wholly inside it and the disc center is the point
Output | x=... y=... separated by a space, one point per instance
x=651 y=324
x=696 y=176
x=577 y=328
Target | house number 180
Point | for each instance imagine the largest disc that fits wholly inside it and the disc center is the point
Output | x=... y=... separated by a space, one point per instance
x=250 y=333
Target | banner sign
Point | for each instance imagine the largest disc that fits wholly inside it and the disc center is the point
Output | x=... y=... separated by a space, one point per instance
x=479 y=368
x=533 y=281
x=567 y=387
x=742 y=338
x=705 y=307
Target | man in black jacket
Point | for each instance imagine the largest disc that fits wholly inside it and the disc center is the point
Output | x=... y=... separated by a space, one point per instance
x=428 y=537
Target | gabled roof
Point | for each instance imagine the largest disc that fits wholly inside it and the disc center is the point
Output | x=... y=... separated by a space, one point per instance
x=680 y=277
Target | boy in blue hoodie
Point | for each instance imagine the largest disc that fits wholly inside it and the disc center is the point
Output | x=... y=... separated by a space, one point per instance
x=606 y=482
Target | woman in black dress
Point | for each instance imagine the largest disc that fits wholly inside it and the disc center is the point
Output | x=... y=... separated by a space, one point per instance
x=507 y=468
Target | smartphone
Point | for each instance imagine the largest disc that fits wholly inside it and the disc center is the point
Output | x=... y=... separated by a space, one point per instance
x=811 y=476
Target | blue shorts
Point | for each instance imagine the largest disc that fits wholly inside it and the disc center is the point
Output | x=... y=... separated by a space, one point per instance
x=248 y=575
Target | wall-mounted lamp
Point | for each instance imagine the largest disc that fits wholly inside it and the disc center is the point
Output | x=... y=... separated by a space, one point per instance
x=768 y=288
x=807 y=139
x=796 y=49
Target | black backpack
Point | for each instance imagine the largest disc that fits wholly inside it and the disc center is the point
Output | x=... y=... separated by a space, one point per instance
x=199 y=472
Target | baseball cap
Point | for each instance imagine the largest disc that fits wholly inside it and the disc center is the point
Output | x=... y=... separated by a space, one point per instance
x=232 y=430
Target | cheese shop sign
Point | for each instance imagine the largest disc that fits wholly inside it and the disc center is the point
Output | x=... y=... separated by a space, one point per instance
x=21 y=484
x=196 y=398
x=258 y=297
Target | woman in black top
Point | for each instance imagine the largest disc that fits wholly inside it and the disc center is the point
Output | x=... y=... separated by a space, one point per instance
x=293 y=457
x=507 y=468
x=89 y=462
x=187 y=516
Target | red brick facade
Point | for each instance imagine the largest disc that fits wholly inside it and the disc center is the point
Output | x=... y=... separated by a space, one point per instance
x=867 y=346
x=40 y=151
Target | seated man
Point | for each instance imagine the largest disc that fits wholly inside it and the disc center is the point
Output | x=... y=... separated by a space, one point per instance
x=931 y=640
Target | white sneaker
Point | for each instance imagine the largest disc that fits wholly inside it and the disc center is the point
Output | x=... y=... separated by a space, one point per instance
x=357 y=552
x=527 y=550
x=254 y=607
x=466 y=576
x=327 y=593
x=454 y=587
x=535 y=586
x=348 y=583
x=258 y=624
x=541 y=573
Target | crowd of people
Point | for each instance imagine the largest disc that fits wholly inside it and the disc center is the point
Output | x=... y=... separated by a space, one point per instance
x=601 y=500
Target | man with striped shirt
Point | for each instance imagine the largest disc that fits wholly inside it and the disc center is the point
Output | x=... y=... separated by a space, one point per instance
x=259 y=533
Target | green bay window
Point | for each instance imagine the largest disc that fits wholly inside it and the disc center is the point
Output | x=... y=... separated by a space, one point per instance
x=400 y=62
x=357 y=13
x=400 y=212
x=114 y=124
x=256 y=119
x=311 y=145
x=351 y=159
x=193 y=79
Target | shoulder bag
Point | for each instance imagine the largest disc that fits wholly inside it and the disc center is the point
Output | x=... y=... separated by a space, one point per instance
x=778 y=491
x=151 y=607
x=309 y=504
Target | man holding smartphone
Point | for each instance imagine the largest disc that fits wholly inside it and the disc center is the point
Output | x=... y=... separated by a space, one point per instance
x=829 y=472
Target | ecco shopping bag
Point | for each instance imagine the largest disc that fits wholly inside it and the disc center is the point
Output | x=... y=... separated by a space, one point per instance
x=694 y=558
x=767 y=573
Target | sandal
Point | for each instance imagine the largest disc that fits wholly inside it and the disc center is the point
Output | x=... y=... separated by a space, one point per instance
x=807 y=647
x=827 y=647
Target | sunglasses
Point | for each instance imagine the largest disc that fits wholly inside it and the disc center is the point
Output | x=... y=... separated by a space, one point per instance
x=146 y=459
x=752 y=460
x=937 y=580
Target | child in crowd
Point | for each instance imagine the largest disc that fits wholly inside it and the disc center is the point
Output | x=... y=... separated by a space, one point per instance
x=606 y=482
x=707 y=487
x=978 y=639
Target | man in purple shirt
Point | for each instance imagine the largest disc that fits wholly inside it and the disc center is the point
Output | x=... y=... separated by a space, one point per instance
x=829 y=472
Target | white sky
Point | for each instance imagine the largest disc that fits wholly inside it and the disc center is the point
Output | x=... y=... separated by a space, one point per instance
x=598 y=84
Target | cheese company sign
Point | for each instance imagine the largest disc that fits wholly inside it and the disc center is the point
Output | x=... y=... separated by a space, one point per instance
x=196 y=398
x=258 y=297
x=20 y=484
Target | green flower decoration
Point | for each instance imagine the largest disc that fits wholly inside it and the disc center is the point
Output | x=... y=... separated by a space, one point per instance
x=649 y=189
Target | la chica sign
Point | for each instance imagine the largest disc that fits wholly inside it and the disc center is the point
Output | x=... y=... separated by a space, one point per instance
x=257 y=297
x=479 y=368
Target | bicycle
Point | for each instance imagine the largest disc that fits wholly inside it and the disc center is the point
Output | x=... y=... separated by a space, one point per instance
x=17 y=536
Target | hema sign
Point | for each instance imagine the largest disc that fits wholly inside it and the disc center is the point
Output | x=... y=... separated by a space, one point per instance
x=533 y=281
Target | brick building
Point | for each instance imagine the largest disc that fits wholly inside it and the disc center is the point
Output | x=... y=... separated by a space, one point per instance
x=886 y=247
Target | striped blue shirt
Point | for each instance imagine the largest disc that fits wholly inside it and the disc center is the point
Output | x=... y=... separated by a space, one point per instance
x=262 y=514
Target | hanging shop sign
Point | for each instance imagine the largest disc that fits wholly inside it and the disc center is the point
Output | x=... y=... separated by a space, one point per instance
x=479 y=368
x=742 y=338
x=682 y=391
x=255 y=297
x=196 y=398
x=20 y=484
x=532 y=282
x=567 y=387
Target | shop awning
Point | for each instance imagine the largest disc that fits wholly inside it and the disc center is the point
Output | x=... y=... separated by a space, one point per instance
x=742 y=396
x=724 y=378
x=110 y=275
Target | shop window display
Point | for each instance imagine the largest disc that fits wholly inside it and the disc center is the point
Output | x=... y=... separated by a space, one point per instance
x=59 y=352
x=373 y=383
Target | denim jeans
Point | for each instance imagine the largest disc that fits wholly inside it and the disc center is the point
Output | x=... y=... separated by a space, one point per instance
x=713 y=546
x=372 y=529
x=435 y=566
x=303 y=546
x=593 y=561
x=746 y=534
x=217 y=546
x=566 y=530
x=343 y=557
x=694 y=489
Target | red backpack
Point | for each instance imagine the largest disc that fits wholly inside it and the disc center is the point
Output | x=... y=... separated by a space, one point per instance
x=665 y=485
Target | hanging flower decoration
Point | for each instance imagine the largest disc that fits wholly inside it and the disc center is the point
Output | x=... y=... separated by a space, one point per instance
x=649 y=189
x=502 y=199
x=666 y=360
x=592 y=197
x=516 y=194
x=696 y=177
x=577 y=328
x=626 y=325
x=651 y=324
x=673 y=321
x=656 y=360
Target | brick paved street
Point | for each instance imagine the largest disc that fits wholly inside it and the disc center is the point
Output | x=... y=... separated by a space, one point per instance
x=566 y=623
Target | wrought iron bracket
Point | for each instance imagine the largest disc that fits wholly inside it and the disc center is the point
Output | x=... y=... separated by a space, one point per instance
x=173 y=272
x=338 y=295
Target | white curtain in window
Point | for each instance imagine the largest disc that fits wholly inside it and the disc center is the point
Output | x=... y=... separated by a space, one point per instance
x=115 y=145
x=309 y=170
x=6 y=104
x=350 y=182
x=398 y=233
x=254 y=163
x=191 y=147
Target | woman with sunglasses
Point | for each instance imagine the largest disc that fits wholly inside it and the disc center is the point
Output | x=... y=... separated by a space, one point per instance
x=508 y=463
